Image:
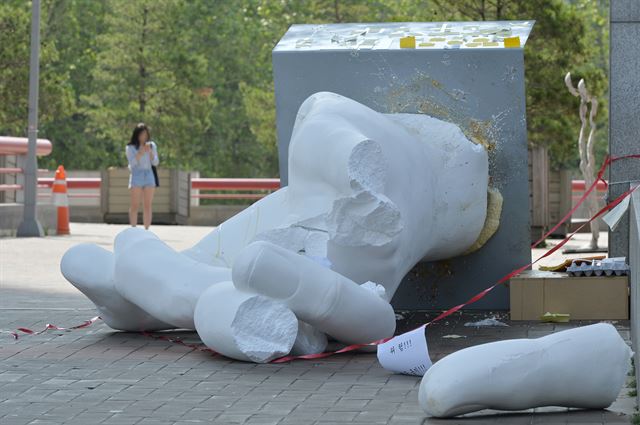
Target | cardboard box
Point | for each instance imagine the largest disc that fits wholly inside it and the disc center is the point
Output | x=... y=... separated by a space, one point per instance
x=535 y=292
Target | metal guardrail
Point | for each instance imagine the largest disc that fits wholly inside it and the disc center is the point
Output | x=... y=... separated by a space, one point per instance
x=577 y=190
x=580 y=186
x=237 y=185
x=19 y=146
x=264 y=186
x=198 y=184
x=73 y=182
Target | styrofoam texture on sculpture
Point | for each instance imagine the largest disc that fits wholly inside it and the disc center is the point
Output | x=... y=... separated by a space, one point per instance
x=90 y=269
x=244 y=326
x=159 y=280
x=584 y=367
x=374 y=193
x=317 y=295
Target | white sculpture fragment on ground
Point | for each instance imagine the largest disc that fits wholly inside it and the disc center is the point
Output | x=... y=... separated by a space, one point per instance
x=584 y=367
x=370 y=195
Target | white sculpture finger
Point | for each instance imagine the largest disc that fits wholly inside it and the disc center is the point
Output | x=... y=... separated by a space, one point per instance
x=582 y=367
x=244 y=326
x=220 y=247
x=160 y=280
x=130 y=236
x=317 y=295
x=90 y=269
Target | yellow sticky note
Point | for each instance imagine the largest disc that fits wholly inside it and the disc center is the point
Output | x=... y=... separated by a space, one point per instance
x=408 y=42
x=555 y=317
x=512 y=42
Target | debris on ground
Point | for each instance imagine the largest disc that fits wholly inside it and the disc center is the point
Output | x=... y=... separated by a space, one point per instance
x=485 y=323
x=562 y=267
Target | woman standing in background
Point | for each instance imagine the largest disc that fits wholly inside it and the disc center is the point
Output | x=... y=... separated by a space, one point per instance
x=142 y=155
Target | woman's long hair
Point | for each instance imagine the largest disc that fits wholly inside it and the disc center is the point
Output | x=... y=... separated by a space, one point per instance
x=135 y=137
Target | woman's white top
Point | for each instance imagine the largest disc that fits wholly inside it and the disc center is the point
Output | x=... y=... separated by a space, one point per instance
x=145 y=162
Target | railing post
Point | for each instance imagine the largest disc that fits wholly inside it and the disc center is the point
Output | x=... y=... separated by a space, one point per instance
x=3 y=179
x=193 y=193
x=18 y=195
x=174 y=191
x=104 y=192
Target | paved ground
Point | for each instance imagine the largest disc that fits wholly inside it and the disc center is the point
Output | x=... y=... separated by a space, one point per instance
x=95 y=375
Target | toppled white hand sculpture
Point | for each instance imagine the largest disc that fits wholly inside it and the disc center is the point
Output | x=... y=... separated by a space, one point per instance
x=370 y=195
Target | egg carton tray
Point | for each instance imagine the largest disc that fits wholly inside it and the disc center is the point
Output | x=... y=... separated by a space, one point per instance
x=606 y=267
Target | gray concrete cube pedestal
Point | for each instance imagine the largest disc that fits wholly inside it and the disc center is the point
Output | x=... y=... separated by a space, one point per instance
x=624 y=110
x=460 y=72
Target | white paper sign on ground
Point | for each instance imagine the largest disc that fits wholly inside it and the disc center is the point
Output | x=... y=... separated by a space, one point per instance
x=407 y=354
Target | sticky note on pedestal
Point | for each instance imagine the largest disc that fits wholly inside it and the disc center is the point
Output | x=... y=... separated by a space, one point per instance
x=512 y=42
x=408 y=42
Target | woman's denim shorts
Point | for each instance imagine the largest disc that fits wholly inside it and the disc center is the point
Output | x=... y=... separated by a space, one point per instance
x=141 y=178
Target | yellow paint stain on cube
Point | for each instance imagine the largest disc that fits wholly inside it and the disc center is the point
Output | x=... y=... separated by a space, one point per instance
x=454 y=42
x=490 y=44
x=408 y=42
x=426 y=44
x=480 y=39
x=511 y=42
x=437 y=39
x=473 y=44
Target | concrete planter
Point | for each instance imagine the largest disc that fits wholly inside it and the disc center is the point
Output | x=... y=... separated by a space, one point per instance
x=171 y=203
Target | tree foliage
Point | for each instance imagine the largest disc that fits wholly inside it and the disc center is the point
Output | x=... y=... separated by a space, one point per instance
x=199 y=72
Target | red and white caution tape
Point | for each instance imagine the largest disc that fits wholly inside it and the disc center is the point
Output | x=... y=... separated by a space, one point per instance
x=197 y=347
x=49 y=326
x=608 y=161
x=507 y=277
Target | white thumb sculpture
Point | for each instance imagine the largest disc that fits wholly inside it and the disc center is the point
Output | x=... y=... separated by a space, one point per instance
x=370 y=195
x=245 y=326
x=317 y=295
x=583 y=367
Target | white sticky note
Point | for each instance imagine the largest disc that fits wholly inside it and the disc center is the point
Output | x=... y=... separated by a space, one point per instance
x=407 y=354
x=612 y=218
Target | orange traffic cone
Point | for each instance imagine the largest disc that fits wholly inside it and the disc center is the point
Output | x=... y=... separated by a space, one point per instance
x=61 y=200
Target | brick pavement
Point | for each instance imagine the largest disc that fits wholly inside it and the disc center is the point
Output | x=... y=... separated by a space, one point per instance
x=98 y=376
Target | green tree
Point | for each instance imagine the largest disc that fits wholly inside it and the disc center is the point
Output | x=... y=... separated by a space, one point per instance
x=566 y=37
x=199 y=72
x=56 y=96
x=145 y=71
x=74 y=26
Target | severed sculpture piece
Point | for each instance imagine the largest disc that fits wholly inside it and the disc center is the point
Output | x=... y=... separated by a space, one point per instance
x=584 y=367
x=369 y=196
